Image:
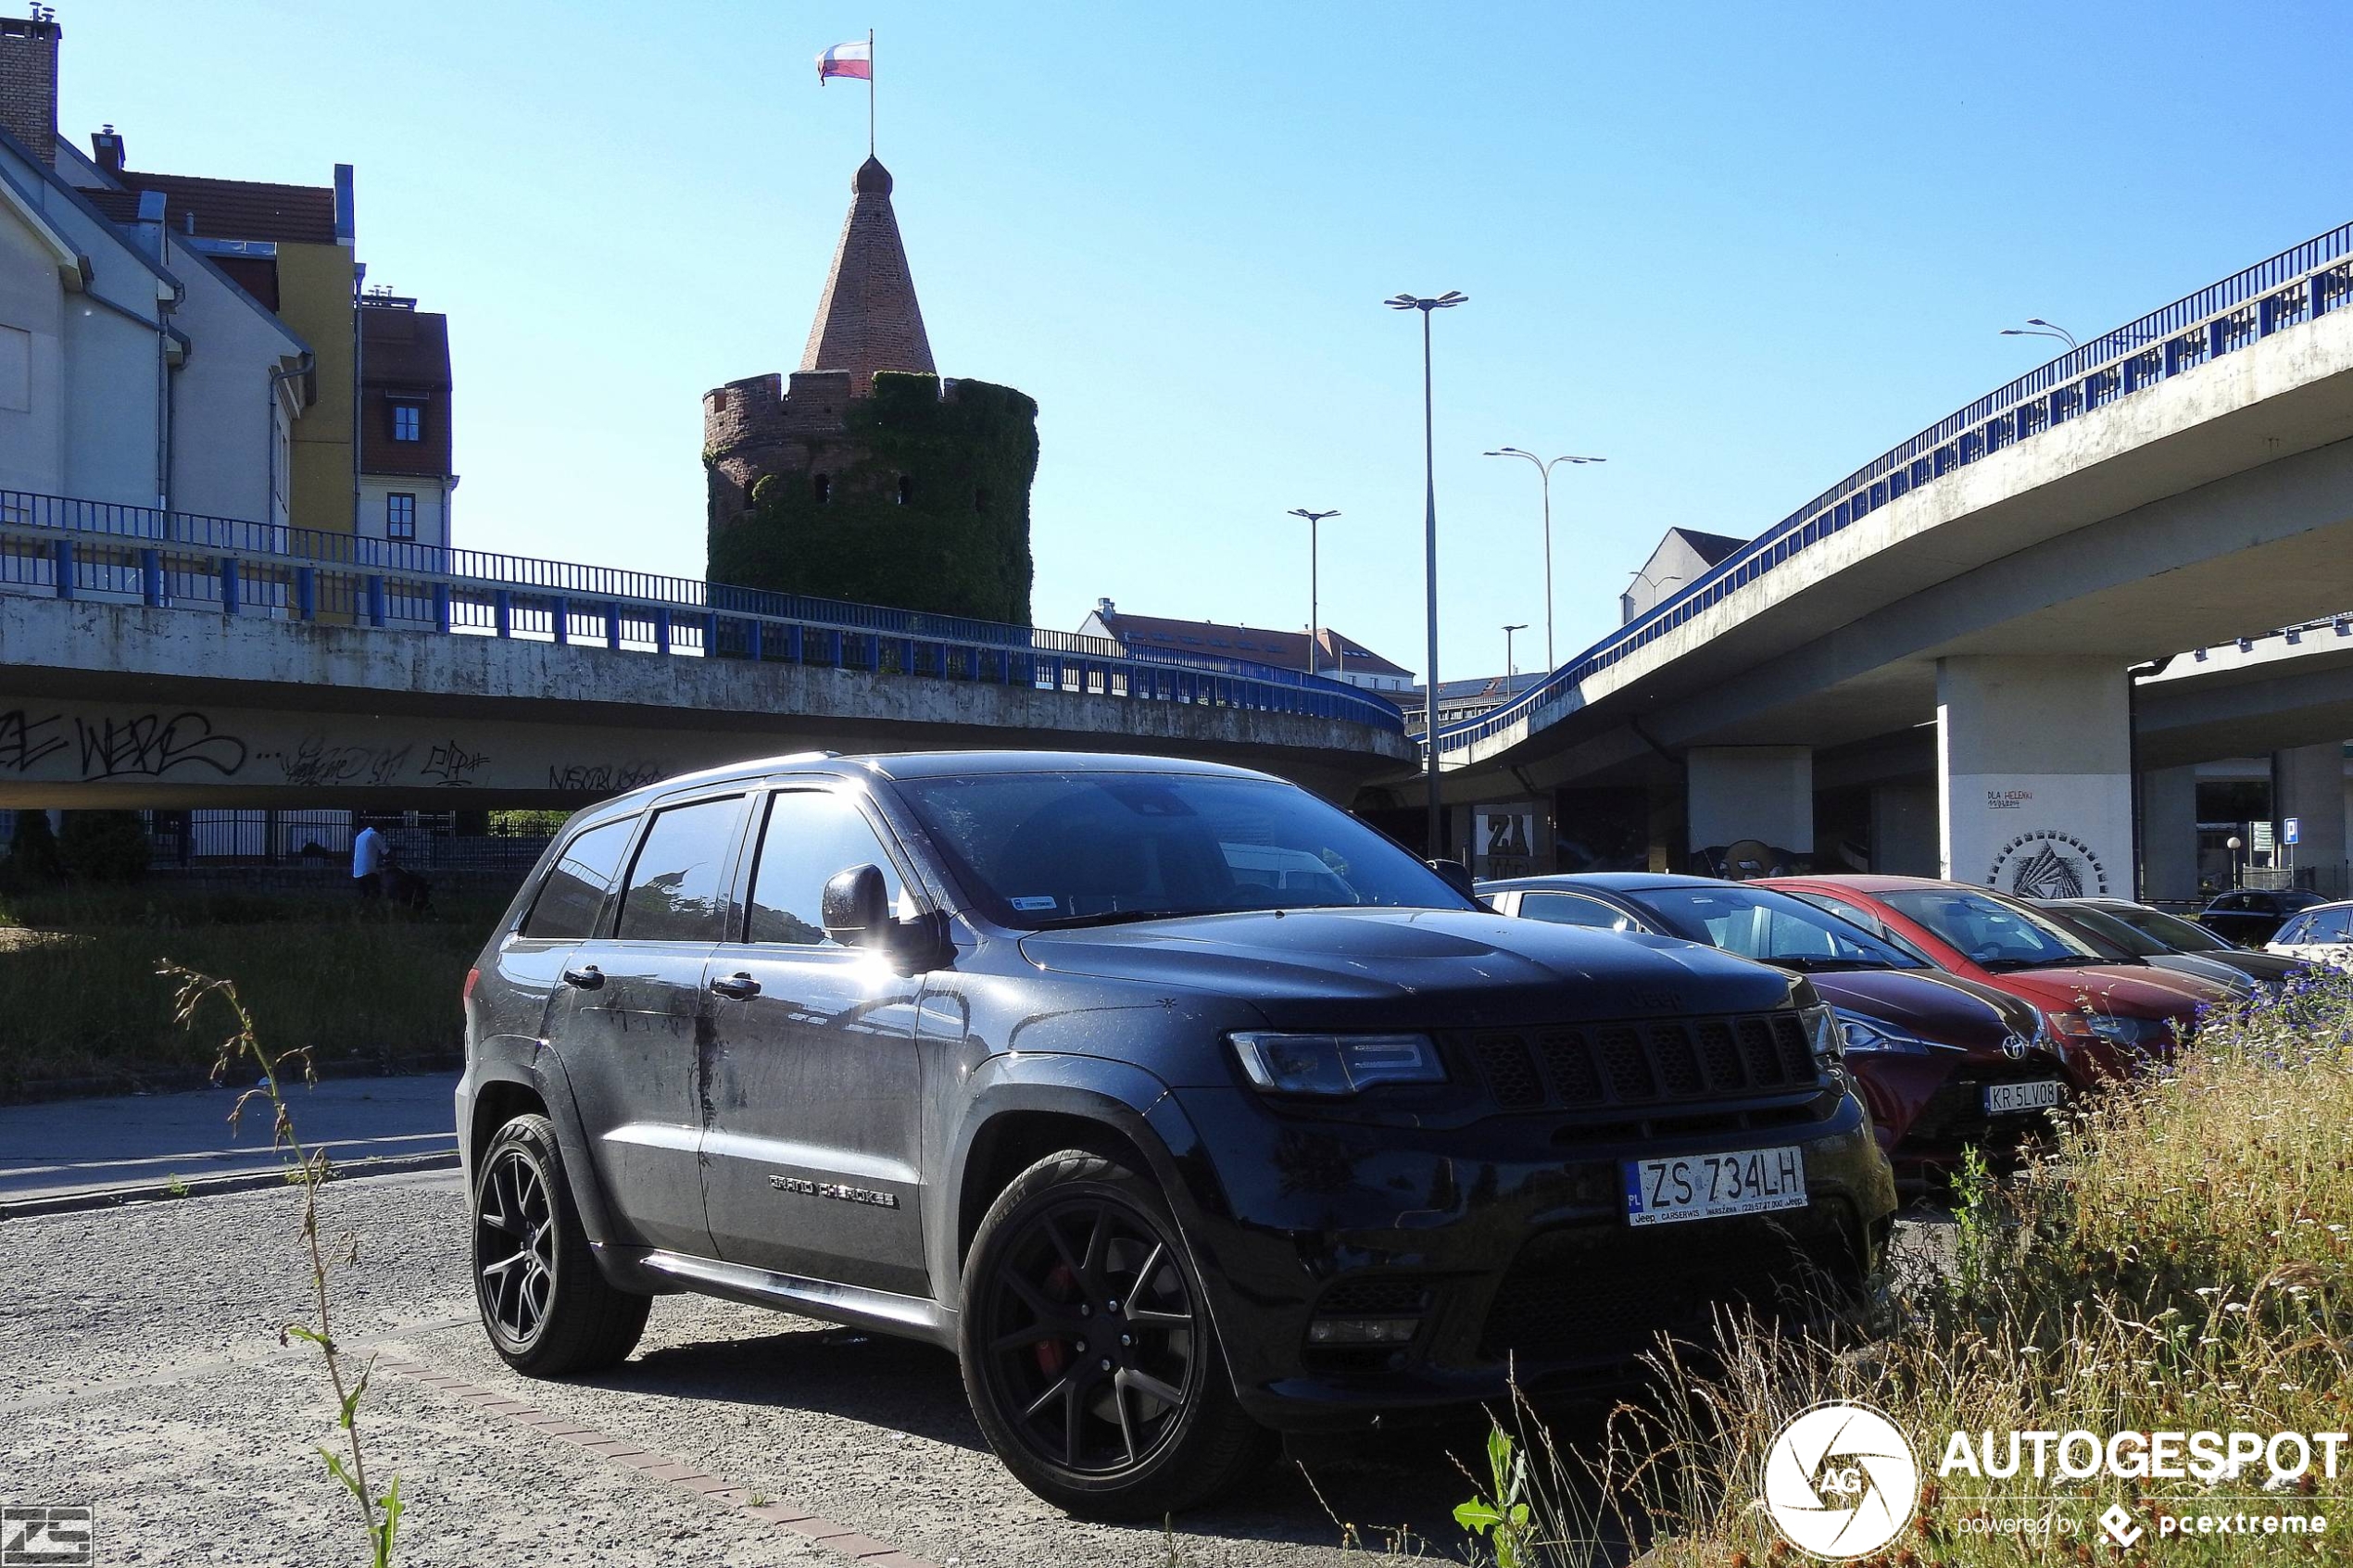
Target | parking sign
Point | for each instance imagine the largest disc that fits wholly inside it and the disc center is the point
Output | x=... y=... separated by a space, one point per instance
x=2291 y=825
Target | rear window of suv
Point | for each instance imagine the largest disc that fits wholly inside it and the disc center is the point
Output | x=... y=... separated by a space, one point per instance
x=566 y=908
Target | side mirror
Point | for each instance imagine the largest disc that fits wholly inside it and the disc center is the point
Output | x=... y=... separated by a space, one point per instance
x=856 y=908
x=1457 y=876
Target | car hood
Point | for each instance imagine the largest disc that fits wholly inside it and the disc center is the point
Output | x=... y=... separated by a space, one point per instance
x=1943 y=1009
x=2130 y=990
x=1418 y=968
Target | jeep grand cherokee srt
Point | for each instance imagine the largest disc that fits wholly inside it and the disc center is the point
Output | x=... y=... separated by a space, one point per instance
x=1181 y=1105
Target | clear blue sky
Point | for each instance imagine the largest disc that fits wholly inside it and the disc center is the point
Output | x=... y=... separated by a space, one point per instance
x=1738 y=249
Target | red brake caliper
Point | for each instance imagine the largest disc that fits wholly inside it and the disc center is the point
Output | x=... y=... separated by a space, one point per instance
x=1054 y=1354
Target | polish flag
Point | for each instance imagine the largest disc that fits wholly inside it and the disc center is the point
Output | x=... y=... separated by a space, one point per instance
x=847 y=59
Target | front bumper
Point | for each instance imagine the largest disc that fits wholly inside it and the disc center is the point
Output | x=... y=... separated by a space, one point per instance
x=1505 y=1241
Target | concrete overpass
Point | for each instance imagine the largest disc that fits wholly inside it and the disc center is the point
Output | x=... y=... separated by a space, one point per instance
x=155 y=660
x=1965 y=609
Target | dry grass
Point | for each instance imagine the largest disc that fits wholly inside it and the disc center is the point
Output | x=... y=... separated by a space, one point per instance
x=2179 y=1262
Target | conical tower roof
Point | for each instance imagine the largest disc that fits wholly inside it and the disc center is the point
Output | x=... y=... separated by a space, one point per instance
x=867 y=319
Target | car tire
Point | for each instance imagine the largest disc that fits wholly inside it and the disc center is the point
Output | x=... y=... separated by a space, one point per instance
x=546 y=1306
x=1088 y=1354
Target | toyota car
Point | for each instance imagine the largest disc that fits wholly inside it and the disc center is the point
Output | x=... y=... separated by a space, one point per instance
x=1183 y=1107
x=2106 y=1019
x=1944 y=1063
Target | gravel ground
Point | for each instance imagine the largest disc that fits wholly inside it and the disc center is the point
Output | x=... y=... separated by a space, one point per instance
x=143 y=1375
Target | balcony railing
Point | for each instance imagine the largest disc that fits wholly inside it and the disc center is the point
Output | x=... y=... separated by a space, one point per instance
x=68 y=549
x=2299 y=285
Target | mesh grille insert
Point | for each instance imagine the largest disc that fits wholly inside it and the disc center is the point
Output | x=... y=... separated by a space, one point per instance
x=1643 y=1062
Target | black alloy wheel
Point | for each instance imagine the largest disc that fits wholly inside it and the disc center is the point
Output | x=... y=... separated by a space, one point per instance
x=1088 y=1351
x=515 y=1246
x=546 y=1305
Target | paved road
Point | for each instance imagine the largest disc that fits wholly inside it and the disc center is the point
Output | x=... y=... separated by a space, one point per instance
x=143 y=1377
x=147 y=1141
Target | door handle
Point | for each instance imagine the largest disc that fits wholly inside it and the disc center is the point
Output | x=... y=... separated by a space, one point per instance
x=588 y=977
x=735 y=987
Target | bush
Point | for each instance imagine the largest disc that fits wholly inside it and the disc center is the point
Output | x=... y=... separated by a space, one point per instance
x=107 y=846
x=32 y=854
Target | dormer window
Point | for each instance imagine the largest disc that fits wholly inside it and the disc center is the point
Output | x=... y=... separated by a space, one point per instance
x=407 y=423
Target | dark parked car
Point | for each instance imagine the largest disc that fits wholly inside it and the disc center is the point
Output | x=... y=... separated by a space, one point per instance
x=1942 y=1062
x=2166 y=941
x=2252 y=916
x=2107 y=1020
x=1180 y=1104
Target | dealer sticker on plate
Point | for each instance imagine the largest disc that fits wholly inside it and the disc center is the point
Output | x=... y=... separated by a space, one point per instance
x=1702 y=1186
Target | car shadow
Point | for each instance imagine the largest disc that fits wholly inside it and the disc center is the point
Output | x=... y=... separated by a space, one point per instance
x=1381 y=1491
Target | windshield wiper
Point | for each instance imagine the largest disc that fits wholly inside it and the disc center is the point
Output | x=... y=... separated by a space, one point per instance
x=1122 y=917
x=1812 y=965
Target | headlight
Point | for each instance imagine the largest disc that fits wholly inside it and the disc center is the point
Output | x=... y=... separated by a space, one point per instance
x=1822 y=1031
x=1337 y=1064
x=1869 y=1035
x=2081 y=1028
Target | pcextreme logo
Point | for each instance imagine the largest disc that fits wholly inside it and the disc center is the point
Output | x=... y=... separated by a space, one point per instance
x=1840 y=1481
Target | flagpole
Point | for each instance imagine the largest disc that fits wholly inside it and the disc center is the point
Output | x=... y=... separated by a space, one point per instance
x=870 y=91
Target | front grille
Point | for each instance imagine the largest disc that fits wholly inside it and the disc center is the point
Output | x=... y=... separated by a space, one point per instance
x=1645 y=1062
x=1375 y=1299
x=1607 y=1296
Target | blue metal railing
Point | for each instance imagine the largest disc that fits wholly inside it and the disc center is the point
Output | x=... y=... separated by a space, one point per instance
x=69 y=548
x=2296 y=285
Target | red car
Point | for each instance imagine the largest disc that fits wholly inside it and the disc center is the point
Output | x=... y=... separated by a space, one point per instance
x=2106 y=1018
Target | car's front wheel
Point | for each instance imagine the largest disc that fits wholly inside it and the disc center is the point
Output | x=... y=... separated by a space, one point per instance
x=1088 y=1353
x=547 y=1308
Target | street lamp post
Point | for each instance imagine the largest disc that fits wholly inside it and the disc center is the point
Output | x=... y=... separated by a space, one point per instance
x=1312 y=624
x=1544 y=468
x=1508 y=670
x=1446 y=301
x=2037 y=327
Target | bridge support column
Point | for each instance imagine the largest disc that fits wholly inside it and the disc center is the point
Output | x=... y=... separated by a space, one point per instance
x=2309 y=785
x=2169 y=833
x=2034 y=773
x=1760 y=792
x=1903 y=830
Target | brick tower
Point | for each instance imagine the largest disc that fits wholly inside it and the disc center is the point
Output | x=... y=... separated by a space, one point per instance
x=864 y=476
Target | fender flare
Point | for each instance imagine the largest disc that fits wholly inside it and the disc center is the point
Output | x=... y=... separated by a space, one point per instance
x=542 y=1072
x=1120 y=1095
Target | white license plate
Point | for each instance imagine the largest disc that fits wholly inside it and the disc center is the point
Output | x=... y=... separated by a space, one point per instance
x=2007 y=1099
x=1702 y=1186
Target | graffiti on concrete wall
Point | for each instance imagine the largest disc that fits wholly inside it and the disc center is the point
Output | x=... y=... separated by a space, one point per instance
x=315 y=762
x=146 y=745
x=451 y=766
x=604 y=778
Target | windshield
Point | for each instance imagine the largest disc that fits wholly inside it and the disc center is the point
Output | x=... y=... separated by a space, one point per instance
x=1757 y=923
x=1993 y=935
x=2178 y=934
x=1095 y=848
x=2106 y=926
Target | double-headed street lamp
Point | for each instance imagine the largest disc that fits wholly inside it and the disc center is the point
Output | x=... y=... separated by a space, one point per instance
x=1446 y=301
x=1313 y=626
x=2037 y=327
x=1544 y=467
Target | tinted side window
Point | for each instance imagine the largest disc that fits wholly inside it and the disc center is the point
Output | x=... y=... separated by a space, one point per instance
x=1568 y=909
x=2293 y=931
x=810 y=836
x=674 y=893
x=2327 y=925
x=575 y=887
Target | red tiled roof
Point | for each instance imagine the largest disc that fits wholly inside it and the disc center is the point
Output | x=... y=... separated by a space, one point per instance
x=234 y=209
x=1283 y=649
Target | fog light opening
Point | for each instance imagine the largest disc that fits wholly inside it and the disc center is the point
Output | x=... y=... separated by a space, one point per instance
x=1362 y=1331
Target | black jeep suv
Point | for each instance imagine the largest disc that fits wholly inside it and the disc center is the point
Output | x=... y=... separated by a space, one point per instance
x=1181 y=1105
